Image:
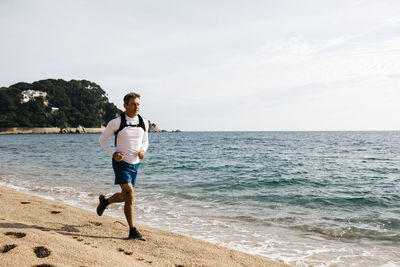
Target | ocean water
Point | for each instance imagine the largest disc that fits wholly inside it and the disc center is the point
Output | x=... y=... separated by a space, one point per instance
x=304 y=198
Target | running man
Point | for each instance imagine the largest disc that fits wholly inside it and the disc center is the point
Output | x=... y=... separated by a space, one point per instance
x=131 y=141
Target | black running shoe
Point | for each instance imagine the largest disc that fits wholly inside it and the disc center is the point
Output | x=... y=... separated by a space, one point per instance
x=134 y=234
x=102 y=205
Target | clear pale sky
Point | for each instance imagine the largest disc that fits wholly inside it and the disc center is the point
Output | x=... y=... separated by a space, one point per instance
x=218 y=65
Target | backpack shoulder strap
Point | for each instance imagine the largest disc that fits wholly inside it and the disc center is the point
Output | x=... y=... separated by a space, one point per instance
x=122 y=125
x=141 y=123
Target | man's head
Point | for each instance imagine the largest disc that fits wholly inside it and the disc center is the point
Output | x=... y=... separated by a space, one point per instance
x=132 y=103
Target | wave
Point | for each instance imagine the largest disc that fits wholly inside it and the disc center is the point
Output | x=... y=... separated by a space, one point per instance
x=350 y=232
x=330 y=231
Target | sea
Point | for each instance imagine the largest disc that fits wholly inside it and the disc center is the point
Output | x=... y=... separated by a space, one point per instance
x=307 y=198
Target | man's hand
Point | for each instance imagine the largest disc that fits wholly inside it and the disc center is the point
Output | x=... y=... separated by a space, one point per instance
x=141 y=154
x=118 y=156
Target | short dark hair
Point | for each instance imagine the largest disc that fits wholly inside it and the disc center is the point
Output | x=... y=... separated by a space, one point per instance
x=129 y=96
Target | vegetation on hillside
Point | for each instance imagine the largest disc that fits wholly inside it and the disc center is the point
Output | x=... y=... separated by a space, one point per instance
x=79 y=102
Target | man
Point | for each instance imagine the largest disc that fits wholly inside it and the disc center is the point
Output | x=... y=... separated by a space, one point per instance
x=131 y=145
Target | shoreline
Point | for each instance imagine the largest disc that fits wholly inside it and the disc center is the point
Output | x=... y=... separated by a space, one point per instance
x=56 y=130
x=75 y=236
x=68 y=130
x=48 y=130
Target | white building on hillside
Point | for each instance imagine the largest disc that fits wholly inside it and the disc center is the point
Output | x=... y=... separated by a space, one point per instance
x=28 y=95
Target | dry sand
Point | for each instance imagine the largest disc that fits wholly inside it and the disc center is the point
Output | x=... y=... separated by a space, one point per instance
x=35 y=231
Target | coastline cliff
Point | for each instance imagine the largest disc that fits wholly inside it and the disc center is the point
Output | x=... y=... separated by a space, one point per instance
x=57 y=106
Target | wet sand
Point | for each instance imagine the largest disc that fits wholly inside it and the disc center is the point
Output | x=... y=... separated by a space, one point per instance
x=36 y=231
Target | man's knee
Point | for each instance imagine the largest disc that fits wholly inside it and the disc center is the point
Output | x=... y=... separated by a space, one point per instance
x=128 y=195
x=127 y=192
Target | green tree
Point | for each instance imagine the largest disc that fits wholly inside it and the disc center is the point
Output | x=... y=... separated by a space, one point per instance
x=80 y=102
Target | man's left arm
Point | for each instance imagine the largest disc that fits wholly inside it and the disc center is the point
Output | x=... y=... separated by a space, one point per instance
x=145 y=140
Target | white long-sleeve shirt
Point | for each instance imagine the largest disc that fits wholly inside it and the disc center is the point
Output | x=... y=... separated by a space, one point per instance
x=130 y=140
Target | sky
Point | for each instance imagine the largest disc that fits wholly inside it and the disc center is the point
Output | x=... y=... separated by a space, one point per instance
x=218 y=65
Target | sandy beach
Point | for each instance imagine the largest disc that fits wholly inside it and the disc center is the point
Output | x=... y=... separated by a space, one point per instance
x=37 y=231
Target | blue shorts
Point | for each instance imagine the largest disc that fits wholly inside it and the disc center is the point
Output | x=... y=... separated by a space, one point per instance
x=125 y=172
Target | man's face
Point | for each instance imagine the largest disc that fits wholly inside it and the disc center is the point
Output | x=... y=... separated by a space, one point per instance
x=133 y=106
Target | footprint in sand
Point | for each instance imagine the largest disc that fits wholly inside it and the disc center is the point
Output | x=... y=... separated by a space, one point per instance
x=17 y=235
x=25 y=202
x=96 y=223
x=69 y=228
x=42 y=252
x=79 y=239
x=125 y=252
x=55 y=212
x=7 y=248
x=141 y=259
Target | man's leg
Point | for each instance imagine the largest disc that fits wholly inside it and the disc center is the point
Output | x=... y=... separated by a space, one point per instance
x=128 y=195
x=117 y=197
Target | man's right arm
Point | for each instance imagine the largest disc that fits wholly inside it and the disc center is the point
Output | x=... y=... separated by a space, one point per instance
x=112 y=126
